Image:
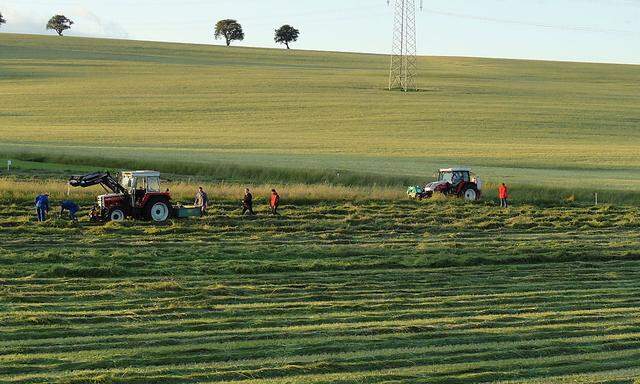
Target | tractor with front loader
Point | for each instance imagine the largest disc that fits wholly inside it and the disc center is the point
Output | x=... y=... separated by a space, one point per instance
x=458 y=182
x=136 y=194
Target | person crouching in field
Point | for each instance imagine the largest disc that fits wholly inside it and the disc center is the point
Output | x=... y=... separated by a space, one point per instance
x=42 y=206
x=247 y=202
x=94 y=214
x=73 y=208
x=202 y=201
x=274 y=201
x=503 y=195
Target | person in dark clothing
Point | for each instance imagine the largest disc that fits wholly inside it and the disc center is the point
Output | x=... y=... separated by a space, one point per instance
x=73 y=208
x=274 y=201
x=42 y=206
x=247 y=202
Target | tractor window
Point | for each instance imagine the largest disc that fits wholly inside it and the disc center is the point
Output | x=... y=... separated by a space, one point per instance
x=127 y=182
x=153 y=184
x=445 y=176
x=459 y=176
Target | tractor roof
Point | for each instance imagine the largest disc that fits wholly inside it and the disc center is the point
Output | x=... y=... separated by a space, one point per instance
x=141 y=173
x=455 y=170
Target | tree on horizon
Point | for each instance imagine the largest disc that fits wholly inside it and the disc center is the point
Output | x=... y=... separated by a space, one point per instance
x=59 y=23
x=229 y=29
x=286 y=34
x=2 y=19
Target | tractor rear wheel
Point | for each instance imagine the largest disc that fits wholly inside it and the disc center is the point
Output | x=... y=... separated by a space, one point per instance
x=116 y=214
x=158 y=210
x=470 y=194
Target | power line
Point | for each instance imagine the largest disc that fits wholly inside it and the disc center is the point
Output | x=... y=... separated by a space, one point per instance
x=533 y=24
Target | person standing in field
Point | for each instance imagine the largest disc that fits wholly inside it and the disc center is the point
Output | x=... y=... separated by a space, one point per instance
x=42 y=206
x=247 y=202
x=201 y=200
x=73 y=208
x=503 y=195
x=274 y=201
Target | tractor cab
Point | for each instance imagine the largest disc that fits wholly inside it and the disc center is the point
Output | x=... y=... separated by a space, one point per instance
x=139 y=183
x=454 y=176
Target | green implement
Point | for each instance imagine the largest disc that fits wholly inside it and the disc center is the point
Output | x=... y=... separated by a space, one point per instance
x=184 y=211
x=415 y=192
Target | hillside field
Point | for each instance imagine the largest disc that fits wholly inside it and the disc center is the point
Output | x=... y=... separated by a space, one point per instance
x=244 y=113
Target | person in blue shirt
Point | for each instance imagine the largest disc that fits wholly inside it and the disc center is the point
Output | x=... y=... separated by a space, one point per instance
x=42 y=206
x=70 y=206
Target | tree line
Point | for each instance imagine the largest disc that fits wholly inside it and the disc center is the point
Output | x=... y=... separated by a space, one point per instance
x=228 y=29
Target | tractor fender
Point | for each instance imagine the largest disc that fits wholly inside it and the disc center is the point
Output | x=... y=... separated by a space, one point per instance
x=154 y=195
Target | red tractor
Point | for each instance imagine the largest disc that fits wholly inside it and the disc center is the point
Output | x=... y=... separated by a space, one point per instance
x=136 y=195
x=457 y=182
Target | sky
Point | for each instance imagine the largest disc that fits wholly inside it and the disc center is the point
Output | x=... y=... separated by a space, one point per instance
x=567 y=30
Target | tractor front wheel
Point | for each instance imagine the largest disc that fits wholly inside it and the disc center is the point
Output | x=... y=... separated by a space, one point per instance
x=158 y=211
x=116 y=214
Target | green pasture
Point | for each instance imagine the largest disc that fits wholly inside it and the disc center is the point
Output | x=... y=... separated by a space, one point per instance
x=430 y=292
x=296 y=115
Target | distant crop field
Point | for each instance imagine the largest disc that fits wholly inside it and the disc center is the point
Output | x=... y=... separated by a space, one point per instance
x=309 y=116
x=436 y=292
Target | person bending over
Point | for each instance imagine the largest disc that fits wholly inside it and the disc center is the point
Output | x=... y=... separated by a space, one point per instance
x=42 y=206
x=73 y=208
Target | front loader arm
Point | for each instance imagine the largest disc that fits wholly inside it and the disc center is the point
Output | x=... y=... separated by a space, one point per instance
x=102 y=178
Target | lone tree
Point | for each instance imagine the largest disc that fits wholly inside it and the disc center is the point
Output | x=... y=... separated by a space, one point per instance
x=59 y=23
x=2 y=20
x=229 y=29
x=286 y=34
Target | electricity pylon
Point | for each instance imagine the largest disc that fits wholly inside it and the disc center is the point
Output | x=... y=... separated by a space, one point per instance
x=402 y=74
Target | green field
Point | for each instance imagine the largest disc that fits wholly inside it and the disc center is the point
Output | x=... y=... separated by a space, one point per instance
x=432 y=292
x=241 y=113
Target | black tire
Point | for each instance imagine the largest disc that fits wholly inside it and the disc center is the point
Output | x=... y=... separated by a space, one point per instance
x=157 y=210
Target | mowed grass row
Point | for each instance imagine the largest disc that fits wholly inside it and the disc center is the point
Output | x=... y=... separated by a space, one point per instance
x=319 y=236
x=473 y=324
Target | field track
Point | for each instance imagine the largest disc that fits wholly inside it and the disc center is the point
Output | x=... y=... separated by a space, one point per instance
x=408 y=292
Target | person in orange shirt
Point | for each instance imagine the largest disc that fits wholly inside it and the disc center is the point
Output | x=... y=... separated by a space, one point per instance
x=503 y=195
x=274 y=202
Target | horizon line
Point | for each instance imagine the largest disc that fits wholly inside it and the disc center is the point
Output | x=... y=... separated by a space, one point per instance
x=315 y=50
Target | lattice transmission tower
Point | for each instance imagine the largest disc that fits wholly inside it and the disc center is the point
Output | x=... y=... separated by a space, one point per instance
x=402 y=74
